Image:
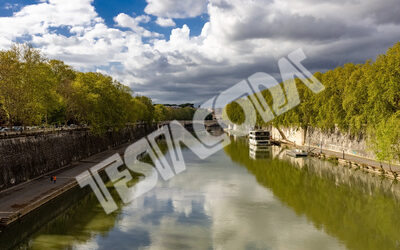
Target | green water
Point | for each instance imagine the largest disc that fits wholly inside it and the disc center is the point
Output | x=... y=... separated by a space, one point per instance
x=232 y=201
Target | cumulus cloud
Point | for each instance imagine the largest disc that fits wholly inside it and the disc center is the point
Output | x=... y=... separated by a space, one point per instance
x=176 y=8
x=165 y=22
x=125 y=21
x=38 y=18
x=241 y=37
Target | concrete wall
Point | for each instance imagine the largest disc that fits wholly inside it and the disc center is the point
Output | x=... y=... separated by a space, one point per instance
x=335 y=141
x=25 y=157
x=294 y=135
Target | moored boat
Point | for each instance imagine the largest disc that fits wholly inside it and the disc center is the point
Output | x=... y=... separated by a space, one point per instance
x=259 y=138
x=296 y=153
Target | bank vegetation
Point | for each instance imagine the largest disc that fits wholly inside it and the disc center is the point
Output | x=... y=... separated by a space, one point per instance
x=360 y=99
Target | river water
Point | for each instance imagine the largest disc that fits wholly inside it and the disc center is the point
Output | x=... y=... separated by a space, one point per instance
x=236 y=201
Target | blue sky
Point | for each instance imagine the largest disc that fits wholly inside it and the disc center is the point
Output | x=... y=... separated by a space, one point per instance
x=109 y=9
x=7 y=8
x=179 y=51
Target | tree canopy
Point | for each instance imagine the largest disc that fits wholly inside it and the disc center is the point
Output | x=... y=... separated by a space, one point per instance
x=35 y=91
x=362 y=99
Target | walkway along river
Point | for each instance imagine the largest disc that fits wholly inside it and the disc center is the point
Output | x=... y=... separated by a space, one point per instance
x=229 y=201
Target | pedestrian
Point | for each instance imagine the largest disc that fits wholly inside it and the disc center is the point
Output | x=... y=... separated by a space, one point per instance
x=51 y=179
x=54 y=179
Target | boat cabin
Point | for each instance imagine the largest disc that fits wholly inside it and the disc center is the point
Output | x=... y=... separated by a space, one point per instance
x=260 y=138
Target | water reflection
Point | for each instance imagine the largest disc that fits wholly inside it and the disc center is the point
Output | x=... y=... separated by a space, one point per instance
x=263 y=152
x=231 y=201
x=359 y=209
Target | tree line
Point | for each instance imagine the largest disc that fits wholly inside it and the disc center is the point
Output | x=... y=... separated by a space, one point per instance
x=36 y=91
x=166 y=113
x=362 y=99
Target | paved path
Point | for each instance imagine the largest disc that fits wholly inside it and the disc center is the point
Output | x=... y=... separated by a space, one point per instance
x=22 y=199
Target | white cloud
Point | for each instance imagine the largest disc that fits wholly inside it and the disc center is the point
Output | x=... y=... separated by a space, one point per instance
x=125 y=21
x=176 y=8
x=165 y=22
x=38 y=18
x=241 y=37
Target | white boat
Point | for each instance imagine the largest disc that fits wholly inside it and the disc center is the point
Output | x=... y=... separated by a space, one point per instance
x=259 y=138
x=296 y=153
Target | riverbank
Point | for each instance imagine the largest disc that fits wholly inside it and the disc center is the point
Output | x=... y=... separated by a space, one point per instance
x=337 y=147
x=349 y=160
x=297 y=194
x=24 y=198
x=21 y=200
x=29 y=159
x=31 y=155
x=343 y=148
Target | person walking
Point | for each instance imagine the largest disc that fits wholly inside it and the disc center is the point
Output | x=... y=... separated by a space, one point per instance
x=54 y=179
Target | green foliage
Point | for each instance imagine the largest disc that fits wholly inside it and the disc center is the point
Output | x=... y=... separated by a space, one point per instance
x=100 y=101
x=235 y=113
x=165 y=113
x=385 y=140
x=160 y=113
x=148 y=112
x=36 y=91
x=25 y=85
x=360 y=99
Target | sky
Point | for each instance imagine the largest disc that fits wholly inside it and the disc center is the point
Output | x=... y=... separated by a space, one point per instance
x=178 y=51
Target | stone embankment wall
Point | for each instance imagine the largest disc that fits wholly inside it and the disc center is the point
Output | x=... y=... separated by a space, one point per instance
x=334 y=141
x=26 y=156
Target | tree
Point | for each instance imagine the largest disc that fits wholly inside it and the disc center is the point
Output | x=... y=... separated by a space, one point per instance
x=64 y=75
x=385 y=139
x=147 y=114
x=27 y=86
x=160 y=113
x=35 y=90
x=361 y=99
x=99 y=101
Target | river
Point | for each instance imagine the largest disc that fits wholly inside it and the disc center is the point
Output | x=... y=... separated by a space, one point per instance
x=234 y=201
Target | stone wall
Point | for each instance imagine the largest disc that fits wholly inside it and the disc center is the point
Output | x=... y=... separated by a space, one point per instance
x=334 y=141
x=25 y=157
